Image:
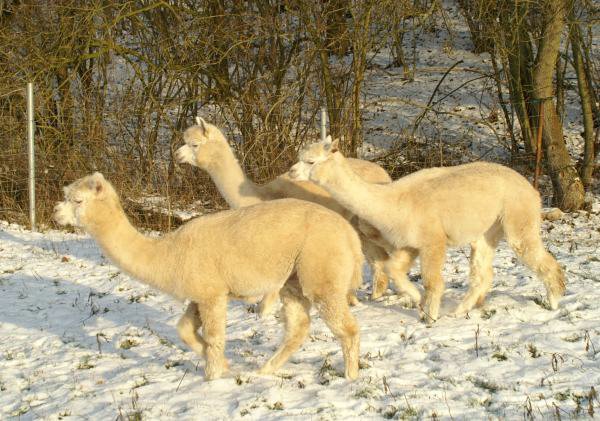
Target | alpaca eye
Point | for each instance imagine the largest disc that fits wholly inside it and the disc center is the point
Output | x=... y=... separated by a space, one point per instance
x=194 y=146
x=311 y=162
x=77 y=201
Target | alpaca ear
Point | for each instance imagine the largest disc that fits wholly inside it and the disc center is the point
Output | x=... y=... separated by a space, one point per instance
x=201 y=123
x=327 y=144
x=331 y=145
x=99 y=188
x=96 y=183
x=335 y=145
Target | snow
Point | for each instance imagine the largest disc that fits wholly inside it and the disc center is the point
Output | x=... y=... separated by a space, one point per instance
x=80 y=338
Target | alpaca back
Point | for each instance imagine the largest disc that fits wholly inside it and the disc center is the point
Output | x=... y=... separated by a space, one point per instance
x=255 y=249
x=369 y=171
x=466 y=200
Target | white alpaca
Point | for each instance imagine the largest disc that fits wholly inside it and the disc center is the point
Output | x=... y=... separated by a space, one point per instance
x=427 y=211
x=234 y=254
x=206 y=147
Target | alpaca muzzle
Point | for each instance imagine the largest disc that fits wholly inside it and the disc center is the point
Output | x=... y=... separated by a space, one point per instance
x=63 y=214
x=299 y=171
x=185 y=155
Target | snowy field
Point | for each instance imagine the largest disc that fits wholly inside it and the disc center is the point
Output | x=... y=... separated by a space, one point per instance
x=80 y=339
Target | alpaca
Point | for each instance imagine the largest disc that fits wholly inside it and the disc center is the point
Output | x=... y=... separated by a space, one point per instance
x=240 y=253
x=206 y=147
x=424 y=212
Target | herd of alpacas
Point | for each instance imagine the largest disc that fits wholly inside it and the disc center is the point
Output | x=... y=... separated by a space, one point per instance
x=300 y=239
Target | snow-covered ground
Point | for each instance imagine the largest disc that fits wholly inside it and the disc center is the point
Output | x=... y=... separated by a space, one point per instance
x=78 y=338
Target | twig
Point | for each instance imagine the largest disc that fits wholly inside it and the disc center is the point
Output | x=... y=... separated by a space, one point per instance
x=182 y=377
x=477 y=341
x=386 y=387
x=447 y=405
x=11 y=92
x=588 y=342
x=462 y=85
x=538 y=152
x=427 y=107
x=528 y=408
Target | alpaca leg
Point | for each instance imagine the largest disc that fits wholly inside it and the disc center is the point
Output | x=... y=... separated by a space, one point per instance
x=352 y=299
x=188 y=326
x=432 y=262
x=376 y=256
x=213 y=313
x=492 y=238
x=267 y=304
x=336 y=314
x=480 y=277
x=397 y=268
x=522 y=232
x=296 y=320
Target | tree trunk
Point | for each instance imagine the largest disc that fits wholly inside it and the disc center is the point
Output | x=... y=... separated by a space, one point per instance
x=568 y=188
x=514 y=146
x=360 y=46
x=587 y=167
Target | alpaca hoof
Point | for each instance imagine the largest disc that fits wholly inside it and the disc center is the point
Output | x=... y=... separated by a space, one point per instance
x=459 y=311
x=553 y=302
x=414 y=303
x=352 y=374
x=213 y=373
x=265 y=370
x=213 y=376
x=426 y=317
x=352 y=300
x=265 y=310
x=462 y=314
x=376 y=295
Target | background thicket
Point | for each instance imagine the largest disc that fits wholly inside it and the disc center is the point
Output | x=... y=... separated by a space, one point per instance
x=118 y=81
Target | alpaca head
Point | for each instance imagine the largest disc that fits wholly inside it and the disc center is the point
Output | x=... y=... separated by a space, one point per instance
x=204 y=145
x=81 y=197
x=311 y=159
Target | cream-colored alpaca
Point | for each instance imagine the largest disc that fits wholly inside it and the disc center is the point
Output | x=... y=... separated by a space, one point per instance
x=427 y=211
x=234 y=254
x=206 y=147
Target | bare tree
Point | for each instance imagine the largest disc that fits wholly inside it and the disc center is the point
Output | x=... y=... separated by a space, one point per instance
x=587 y=167
x=526 y=37
x=568 y=188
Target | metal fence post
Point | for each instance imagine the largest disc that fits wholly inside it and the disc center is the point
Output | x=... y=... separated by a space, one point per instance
x=323 y=124
x=30 y=134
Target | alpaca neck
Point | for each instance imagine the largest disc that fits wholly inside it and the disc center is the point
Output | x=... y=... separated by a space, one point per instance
x=365 y=200
x=237 y=189
x=142 y=257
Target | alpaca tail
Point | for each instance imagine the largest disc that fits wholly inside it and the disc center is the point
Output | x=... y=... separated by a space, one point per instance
x=547 y=269
x=522 y=230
